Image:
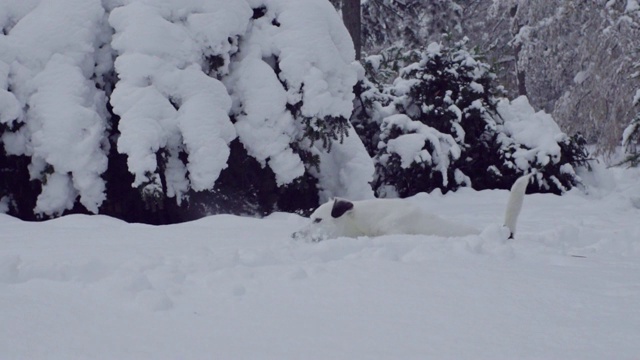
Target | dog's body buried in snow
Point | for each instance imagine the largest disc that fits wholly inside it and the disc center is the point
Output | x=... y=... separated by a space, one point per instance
x=376 y=217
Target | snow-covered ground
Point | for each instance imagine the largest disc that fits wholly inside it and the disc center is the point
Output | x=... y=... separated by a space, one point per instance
x=225 y=287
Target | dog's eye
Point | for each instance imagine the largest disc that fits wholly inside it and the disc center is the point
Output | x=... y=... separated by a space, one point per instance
x=317 y=220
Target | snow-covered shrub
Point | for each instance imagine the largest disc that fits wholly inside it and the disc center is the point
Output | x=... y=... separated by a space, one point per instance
x=532 y=141
x=451 y=95
x=174 y=125
x=139 y=107
x=454 y=130
x=291 y=83
x=412 y=156
x=51 y=111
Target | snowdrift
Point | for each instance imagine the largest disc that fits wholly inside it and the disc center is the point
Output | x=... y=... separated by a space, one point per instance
x=240 y=288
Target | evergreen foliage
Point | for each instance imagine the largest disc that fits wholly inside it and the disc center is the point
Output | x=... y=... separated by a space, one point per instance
x=574 y=60
x=162 y=112
x=439 y=126
x=631 y=139
x=176 y=110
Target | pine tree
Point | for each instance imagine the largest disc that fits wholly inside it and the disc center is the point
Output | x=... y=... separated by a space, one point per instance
x=442 y=124
x=450 y=98
x=631 y=137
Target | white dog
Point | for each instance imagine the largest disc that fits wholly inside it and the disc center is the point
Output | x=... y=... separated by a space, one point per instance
x=343 y=218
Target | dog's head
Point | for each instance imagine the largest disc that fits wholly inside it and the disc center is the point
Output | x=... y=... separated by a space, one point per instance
x=330 y=220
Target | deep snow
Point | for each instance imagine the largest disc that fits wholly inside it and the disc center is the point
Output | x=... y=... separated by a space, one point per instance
x=226 y=287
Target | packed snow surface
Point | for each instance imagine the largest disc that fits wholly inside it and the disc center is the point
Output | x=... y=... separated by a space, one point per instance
x=225 y=287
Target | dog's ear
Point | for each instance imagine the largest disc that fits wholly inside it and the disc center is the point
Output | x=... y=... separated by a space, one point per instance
x=340 y=207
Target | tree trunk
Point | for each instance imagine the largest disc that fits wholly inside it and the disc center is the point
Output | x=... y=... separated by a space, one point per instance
x=521 y=73
x=351 y=18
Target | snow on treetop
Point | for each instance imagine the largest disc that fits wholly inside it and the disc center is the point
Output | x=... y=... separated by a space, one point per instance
x=538 y=131
x=10 y=107
x=315 y=62
x=434 y=48
x=298 y=52
x=315 y=49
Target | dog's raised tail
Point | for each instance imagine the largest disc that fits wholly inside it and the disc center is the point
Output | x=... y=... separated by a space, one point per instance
x=516 y=197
